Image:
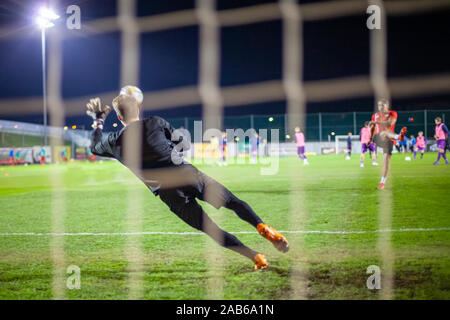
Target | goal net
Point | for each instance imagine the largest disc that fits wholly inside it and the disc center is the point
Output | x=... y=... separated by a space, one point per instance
x=210 y=92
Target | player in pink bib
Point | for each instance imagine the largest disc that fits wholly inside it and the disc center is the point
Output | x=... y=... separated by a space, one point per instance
x=367 y=145
x=300 y=143
x=441 y=135
x=421 y=143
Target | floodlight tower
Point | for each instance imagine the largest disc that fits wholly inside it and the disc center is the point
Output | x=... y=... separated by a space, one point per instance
x=44 y=21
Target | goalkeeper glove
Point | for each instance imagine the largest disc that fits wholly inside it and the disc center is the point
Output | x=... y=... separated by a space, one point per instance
x=96 y=112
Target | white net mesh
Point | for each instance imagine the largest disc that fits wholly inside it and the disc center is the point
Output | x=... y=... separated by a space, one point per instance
x=214 y=98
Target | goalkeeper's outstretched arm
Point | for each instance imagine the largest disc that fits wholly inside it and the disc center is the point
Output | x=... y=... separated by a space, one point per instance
x=101 y=146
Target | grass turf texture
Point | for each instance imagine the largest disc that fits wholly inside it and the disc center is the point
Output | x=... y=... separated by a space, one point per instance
x=339 y=196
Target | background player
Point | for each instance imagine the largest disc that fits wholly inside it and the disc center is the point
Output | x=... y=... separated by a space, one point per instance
x=11 y=161
x=300 y=143
x=254 y=144
x=42 y=156
x=17 y=157
x=349 y=146
x=64 y=155
x=178 y=183
x=412 y=144
x=441 y=135
x=421 y=143
x=397 y=146
x=403 y=143
x=382 y=133
x=223 y=149
x=365 y=145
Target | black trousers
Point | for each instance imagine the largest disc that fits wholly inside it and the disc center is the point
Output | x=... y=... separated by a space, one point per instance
x=183 y=202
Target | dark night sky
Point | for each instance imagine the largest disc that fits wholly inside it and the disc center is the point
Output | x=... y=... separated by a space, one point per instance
x=417 y=45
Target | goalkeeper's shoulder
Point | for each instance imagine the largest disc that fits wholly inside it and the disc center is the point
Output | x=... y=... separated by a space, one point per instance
x=156 y=120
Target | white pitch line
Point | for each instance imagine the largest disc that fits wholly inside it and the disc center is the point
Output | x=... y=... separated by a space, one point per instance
x=237 y=232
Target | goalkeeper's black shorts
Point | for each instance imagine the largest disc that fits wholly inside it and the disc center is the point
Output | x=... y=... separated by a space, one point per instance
x=182 y=199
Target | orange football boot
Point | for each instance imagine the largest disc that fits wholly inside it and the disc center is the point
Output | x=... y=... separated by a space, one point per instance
x=381 y=186
x=260 y=261
x=277 y=239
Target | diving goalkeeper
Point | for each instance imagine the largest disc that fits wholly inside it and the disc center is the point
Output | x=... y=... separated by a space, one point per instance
x=178 y=183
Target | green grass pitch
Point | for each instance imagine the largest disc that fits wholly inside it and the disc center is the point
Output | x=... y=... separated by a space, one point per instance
x=339 y=196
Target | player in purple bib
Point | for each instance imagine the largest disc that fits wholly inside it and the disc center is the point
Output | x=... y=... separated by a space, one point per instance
x=441 y=135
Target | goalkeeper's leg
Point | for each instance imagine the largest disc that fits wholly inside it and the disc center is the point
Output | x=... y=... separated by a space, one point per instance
x=192 y=213
x=218 y=196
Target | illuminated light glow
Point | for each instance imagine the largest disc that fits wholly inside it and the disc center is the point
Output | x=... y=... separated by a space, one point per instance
x=333 y=133
x=236 y=139
x=45 y=18
x=288 y=136
x=48 y=13
x=44 y=23
x=65 y=128
x=74 y=127
x=92 y=125
x=114 y=125
x=270 y=119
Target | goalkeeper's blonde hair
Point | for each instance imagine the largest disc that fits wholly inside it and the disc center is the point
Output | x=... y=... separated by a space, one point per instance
x=126 y=107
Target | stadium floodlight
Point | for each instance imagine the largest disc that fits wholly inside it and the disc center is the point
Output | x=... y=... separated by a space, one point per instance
x=45 y=18
x=44 y=21
x=48 y=13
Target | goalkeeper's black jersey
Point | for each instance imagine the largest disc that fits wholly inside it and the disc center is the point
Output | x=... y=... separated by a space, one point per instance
x=158 y=147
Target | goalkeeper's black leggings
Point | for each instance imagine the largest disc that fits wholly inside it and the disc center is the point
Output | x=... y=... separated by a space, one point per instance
x=182 y=202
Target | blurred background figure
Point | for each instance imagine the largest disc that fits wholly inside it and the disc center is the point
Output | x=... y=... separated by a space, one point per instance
x=349 y=146
x=223 y=149
x=412 y=144
x=64 y=155
x=421 y=142
x=254 y=144
x=441 y=136
x=367 y=145
x=11 y=157
x=300 y=143
x=43 y=156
